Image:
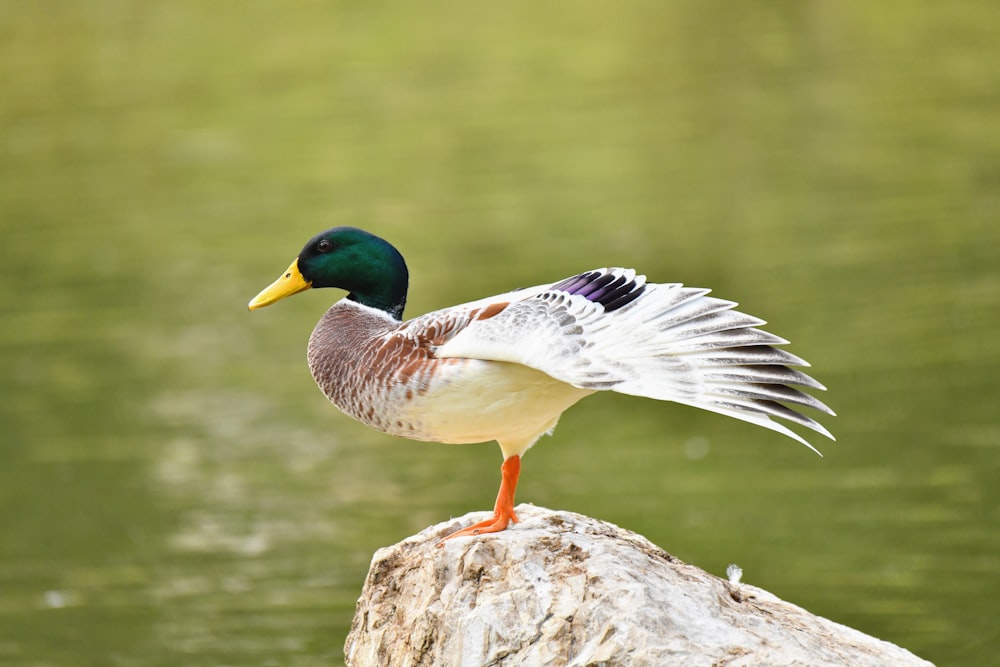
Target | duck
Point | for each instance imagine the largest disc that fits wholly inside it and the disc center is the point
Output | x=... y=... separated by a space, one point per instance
x=505 y=367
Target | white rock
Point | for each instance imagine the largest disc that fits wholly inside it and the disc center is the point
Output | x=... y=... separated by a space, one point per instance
x=563 y=589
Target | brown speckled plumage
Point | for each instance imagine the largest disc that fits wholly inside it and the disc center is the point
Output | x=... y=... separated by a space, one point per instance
x=373 y=367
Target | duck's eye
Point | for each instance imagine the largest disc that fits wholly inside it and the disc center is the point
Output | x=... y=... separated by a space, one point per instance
x=324 y=245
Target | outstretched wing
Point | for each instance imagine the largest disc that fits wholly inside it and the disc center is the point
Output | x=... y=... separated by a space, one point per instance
x=609 y=329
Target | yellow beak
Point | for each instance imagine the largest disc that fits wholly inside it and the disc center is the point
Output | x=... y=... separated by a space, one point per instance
x=291 y=282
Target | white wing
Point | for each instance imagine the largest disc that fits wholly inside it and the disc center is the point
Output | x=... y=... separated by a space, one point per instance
x=609 y=329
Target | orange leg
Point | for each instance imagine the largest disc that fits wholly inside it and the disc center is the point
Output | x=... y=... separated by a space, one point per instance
x=503 y=510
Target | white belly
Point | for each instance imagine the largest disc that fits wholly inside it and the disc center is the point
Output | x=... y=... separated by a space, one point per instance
x=488 y=400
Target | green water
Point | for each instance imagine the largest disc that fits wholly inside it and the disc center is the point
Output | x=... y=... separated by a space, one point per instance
x=175 y=491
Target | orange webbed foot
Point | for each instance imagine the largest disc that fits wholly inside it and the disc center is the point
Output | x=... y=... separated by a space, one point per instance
x=503 y=511
x=493 y=525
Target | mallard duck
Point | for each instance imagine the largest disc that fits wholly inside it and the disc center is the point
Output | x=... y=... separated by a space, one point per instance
x=505 y=368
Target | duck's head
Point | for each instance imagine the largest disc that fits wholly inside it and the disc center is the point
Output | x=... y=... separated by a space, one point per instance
x=368 y=267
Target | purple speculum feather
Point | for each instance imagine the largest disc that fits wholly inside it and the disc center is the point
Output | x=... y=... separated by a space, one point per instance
x=604 y=288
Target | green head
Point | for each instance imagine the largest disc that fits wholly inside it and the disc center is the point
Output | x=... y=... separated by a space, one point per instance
x=368 y=267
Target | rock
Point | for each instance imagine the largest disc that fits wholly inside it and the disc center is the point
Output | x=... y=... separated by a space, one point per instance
x=563 y=589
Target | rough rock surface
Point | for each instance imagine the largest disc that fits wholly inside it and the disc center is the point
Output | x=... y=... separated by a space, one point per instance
x=563 y=589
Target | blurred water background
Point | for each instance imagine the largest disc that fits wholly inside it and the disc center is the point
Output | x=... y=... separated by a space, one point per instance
x=175 y=491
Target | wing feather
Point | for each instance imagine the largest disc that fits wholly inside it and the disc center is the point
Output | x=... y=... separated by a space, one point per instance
x=609 y=329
